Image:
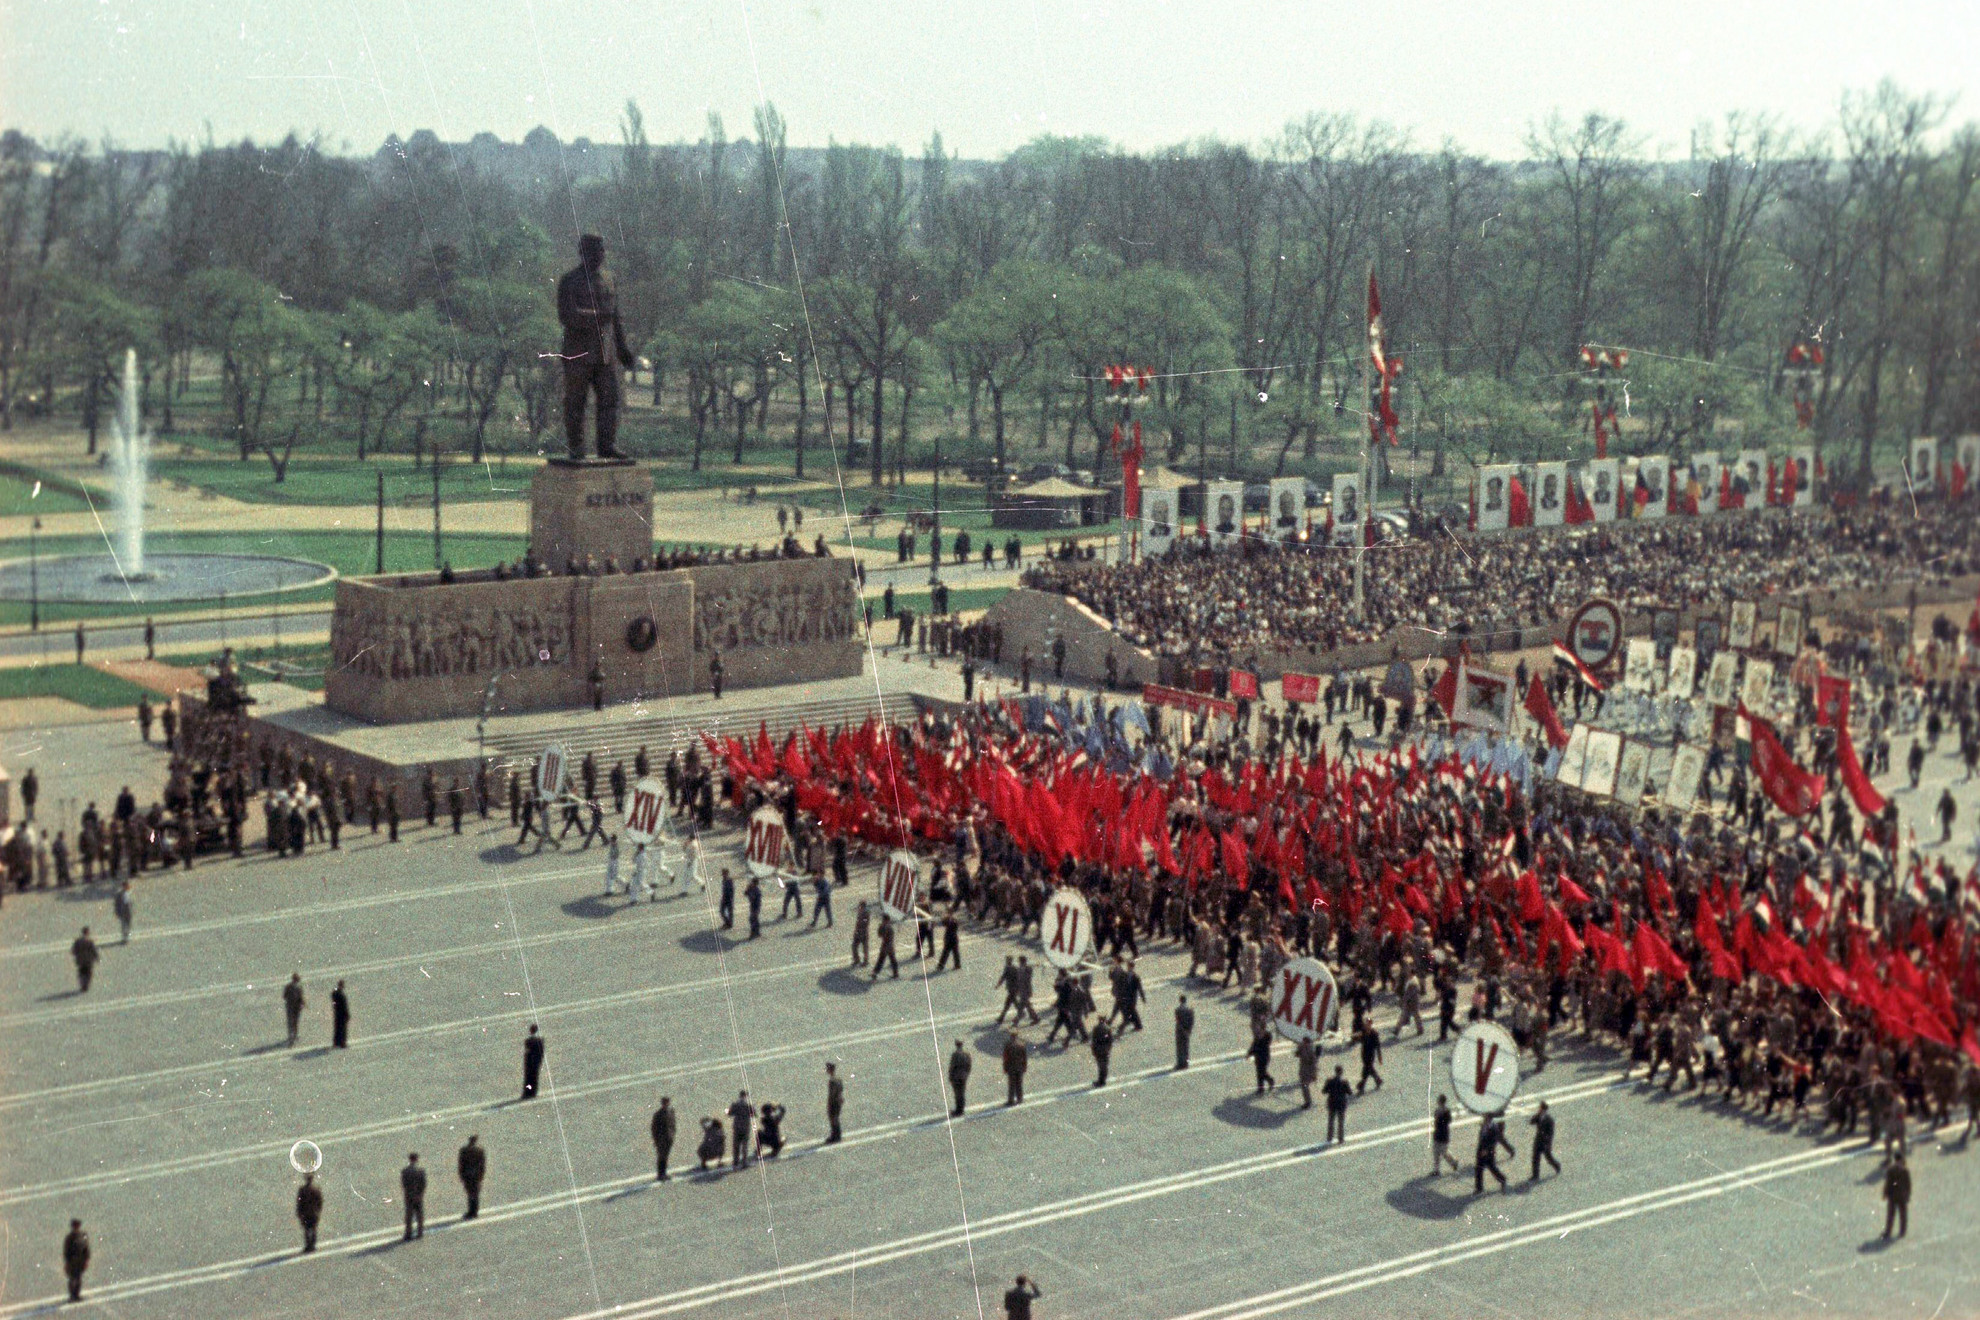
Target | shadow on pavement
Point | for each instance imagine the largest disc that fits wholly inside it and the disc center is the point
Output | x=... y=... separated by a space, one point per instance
x=845 y=981
x=1251 y=1111
x=707 y=941
x=1424 y=1197
x=592 y=906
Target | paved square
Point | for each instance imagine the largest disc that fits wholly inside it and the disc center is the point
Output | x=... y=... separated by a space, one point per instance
x=162 y=1107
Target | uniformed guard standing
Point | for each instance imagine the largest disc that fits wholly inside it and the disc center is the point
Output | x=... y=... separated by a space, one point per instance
x=1336 y=1091
x=292 y=1004
x=594 y=348
x=340 y=1018
x=472 y=1165
x=85 y=955
x=835 y=1102
x=1185 y=1023
x=75 y=1258
x=1897 y=1198
x=959 y=1065
x=1103 y=1049
x=309 y=1210
x=663 y=1136
x=532 y=1062
x=412 y=1185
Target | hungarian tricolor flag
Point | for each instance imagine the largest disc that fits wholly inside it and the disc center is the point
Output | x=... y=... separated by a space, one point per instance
x=1383 y=369
x=1579 y=510
x=1564 y=654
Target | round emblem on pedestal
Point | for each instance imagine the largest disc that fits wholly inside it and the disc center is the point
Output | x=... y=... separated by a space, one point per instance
x=641 y=634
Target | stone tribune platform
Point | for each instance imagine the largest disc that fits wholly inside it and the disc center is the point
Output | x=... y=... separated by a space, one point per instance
x=400 y=753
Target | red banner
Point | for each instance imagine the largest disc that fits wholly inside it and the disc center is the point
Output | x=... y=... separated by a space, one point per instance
x=1194 y=702
x=1300 y=687
x=1792 y=789
x=1244 y=684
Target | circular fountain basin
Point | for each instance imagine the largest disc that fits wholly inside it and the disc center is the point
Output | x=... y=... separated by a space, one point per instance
x=99 y=580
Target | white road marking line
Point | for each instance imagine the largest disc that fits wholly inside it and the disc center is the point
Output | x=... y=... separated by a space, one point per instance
x=113 y=1291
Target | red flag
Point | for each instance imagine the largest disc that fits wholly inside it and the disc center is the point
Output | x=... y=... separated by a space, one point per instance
x=1956 y=487
x=1868 y=800
x=1654 y=954
x=1531 y=906
x=1572 y=892
x=1521 y=509
x=1792 y=789
x=1541 y=708
x=1381 y=413
x=1236 y=864
x=1445 y=691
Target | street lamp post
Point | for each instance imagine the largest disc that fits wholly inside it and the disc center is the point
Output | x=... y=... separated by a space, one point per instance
x=34 y=576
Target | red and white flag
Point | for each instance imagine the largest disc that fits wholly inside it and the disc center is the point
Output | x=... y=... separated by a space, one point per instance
x=1381 y=414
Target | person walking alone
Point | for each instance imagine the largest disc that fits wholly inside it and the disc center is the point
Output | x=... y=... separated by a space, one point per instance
x=1440 y=1140
x=1016 y=1060
x=1543 y=1141
x=84 y=953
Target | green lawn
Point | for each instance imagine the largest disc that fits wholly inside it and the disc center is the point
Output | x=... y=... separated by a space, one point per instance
x=78 y=683
x=262 y=664
x=22 y=492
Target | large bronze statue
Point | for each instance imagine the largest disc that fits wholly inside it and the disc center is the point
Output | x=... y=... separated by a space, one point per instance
x=594 y=348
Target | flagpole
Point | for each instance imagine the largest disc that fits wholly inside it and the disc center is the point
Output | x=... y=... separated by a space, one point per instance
x=1368 y=494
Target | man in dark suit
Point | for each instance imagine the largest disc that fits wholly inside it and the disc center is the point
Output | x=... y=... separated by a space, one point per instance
x=340 y=1018
x=472 y=1165
x=1491 y=1136
x=309 y=1210
x=412 y=1185
x=1543 y=1139
x=663 y=1135
x=1897 y=1197
x=835 y=1102
x=532 y=1062
x=960 y=1064
x=1185 y=1024
x=1017 y=1302
x=75 y=1258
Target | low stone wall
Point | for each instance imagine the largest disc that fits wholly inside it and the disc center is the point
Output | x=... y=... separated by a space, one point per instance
x=1095 y=635
x=1033 y=619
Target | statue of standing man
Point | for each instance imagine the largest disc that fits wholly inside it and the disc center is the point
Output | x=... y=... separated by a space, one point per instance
x=594 y=348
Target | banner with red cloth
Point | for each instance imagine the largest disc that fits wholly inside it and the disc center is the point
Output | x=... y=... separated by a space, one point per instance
x=1303 y=688
x=1541 y=708
x=1794 y=790
x=1868 y=800
x=1244 y=684
x=1196 y=703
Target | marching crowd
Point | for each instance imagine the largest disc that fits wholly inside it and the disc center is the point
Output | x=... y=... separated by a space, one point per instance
x=1197 y=602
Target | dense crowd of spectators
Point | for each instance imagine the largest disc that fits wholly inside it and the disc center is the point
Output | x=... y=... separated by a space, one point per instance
x=1194 y=602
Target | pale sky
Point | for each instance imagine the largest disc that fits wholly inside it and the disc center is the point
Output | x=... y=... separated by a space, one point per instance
x=988 y=76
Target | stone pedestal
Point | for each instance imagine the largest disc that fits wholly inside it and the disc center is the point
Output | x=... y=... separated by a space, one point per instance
x=596 y=507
